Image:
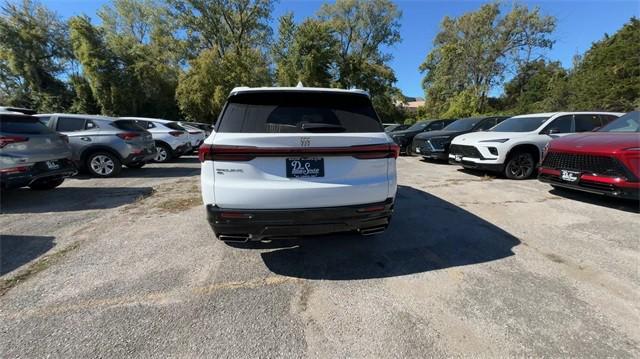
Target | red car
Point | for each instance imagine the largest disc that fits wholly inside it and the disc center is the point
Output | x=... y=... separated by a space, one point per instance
x=605 y=162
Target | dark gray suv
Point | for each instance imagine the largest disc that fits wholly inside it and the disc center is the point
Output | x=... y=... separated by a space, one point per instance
x=101 y=145
x=32 y=154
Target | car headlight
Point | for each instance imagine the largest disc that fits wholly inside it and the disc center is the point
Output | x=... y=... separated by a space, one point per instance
x=500 y=140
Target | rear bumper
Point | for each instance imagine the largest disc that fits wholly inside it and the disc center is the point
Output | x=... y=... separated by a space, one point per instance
x=182 y=149
x=242 y=225
x=36 y=172
x=147 y=155
x=606 y=186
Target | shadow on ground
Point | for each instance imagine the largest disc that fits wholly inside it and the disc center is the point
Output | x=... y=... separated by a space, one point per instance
x=426 y=233
x=159 y=172
x=61 y=199
x=598 y=200
x=18 y=250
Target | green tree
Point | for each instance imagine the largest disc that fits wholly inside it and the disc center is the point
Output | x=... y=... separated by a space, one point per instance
x=472 y=54
x=231 y=39
x=538 y=87
x=608 y=75
x=34 y=54
x=282 y=52
x=363 y=28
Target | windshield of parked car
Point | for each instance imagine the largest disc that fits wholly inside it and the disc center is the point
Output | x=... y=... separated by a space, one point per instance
x=520 y=124
x=627 y=123
x=464 y=124
x=418 y=126
x=299 y=112
x=26 y=125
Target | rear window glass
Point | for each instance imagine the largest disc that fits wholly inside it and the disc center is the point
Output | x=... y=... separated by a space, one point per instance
x=174 y=126
x=464 y=124
x=291 y=112
x=22 y=124
x=127 y=125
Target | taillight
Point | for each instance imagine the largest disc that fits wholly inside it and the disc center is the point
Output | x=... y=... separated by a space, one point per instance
x=11 y=170
x=176 y=133
x=194 y=132
x=7 y=140
x=128 y=135
x=247 y=153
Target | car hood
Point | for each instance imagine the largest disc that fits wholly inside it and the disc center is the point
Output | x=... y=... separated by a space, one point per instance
x=488 y=135
x=431 y=134
x=403 y=133
x=596 y=142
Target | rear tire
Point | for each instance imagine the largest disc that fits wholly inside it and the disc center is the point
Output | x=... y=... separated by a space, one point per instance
x=103 y=164
x=136 y=165
x=164 y=154
x=520 y=165
x=46 y=184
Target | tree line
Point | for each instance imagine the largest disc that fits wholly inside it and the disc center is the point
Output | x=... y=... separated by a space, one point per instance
x=180 y=58
x=474 y=54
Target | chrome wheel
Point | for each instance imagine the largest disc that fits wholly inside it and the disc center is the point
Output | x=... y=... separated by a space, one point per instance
x=161 y=154
x=102 y=165
x=521 y=166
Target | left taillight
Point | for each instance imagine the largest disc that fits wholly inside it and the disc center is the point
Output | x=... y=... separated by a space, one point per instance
x=128 y=135
x=226 y=153
x=7 y=140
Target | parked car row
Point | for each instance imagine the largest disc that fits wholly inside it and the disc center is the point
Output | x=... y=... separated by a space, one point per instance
x=596 y=152
x=40 y=150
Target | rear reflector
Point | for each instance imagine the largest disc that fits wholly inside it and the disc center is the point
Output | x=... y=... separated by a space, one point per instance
x=247 y=153
x=128 y=135
x=7 y=140
x=235 y=215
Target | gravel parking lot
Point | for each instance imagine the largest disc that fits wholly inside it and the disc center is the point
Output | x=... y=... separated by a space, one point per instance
x=471 y=266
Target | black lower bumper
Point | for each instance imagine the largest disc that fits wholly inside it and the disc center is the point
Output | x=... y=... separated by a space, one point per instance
x=38 y=171
x=182 y=149
x=145 y=157
x=254 y=225
x=605 y=189
x=489 y=167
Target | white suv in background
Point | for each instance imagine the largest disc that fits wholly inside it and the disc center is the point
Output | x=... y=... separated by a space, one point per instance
x=286 y=162
x=196 y=135
x=172 y=140
x=514 y=147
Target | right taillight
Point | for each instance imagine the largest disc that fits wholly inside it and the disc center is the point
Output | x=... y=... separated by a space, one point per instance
x=128 y=135
x=7 y=140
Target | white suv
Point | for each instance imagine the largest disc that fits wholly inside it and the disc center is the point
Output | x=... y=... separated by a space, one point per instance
x=514 y=147
x=287 y=162
x=172 y=140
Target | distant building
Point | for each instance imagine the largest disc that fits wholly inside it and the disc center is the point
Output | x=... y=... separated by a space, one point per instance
x=410 y=104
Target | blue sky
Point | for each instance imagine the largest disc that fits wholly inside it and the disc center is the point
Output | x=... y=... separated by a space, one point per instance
x=580 y=23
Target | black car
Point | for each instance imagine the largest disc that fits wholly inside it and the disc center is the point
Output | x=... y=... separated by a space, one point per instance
x=405 y=137
x=396 y=127
x=435 y=144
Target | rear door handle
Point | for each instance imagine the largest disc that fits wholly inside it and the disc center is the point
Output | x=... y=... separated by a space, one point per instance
x=88 y=139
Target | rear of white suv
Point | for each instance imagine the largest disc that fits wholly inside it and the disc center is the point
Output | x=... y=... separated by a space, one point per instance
x=287 y=162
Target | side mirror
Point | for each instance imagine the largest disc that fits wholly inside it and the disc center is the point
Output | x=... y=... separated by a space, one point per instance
x=596 y=128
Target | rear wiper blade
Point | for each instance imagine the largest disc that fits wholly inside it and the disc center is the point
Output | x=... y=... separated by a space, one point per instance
x=322 y=127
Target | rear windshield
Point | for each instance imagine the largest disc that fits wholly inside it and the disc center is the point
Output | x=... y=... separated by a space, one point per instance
x=418 y=126
x=464 y=124
x=291 y=112
x=127 y=125
x=22 y=124
x=174 y=126
x=627 y=123
x=520 y=124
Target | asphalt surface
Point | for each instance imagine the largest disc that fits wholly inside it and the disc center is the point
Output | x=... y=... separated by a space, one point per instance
x=471 y=266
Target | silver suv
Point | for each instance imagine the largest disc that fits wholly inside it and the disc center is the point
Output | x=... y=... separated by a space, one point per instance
x=101 y=145
x=31 y=154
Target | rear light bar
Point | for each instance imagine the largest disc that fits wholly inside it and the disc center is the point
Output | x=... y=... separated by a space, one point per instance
x=7 y=140
x=194 y=132
x=247 y=153
x=128 y=135
x=176 y=133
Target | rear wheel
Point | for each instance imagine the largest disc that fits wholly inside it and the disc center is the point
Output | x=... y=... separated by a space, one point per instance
x=136 y=165
x=520 y=165
x=46 y=183
x=103 y=164
x=163 y=153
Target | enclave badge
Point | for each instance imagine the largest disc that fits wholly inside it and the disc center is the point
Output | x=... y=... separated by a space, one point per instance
x=305 y=141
